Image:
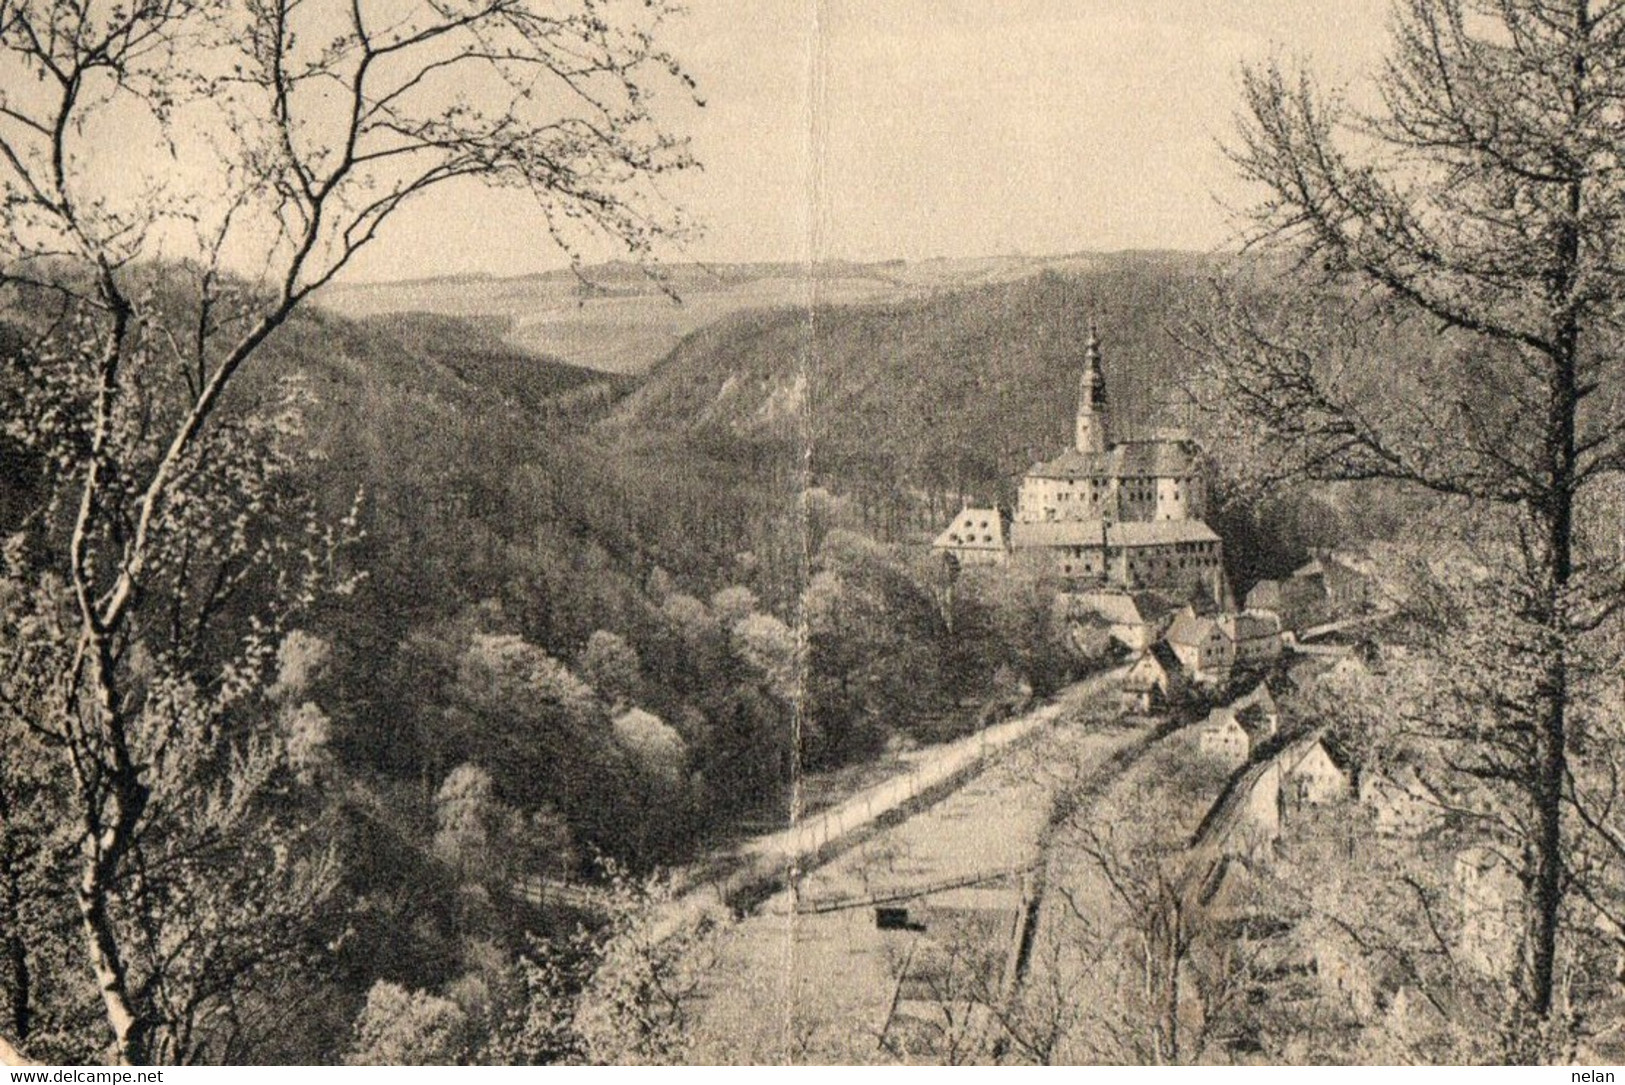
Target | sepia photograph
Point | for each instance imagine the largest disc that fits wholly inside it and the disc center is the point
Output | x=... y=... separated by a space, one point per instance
x=812 y=532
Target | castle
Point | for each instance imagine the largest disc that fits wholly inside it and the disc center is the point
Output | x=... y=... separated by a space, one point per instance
x=1126 y=514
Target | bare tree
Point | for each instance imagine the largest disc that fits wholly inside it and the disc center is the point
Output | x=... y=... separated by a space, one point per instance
x=1479 y=200
x=291 y=131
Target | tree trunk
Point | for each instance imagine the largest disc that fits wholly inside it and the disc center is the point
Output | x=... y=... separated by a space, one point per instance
x=114 y=800
x=1551 y=742
x=21 y=981
x=112 y=979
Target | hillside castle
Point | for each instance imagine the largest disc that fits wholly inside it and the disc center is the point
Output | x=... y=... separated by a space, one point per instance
x=1126 y=514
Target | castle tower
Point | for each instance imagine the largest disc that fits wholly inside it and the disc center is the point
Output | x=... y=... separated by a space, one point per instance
x=1091 y=436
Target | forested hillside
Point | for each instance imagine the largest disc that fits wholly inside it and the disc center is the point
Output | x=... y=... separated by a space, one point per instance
x=524 y=665
x=909 y=409
x=575 y=616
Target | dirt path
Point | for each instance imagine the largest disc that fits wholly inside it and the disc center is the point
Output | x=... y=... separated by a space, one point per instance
x=816 y=986
x=757 y=867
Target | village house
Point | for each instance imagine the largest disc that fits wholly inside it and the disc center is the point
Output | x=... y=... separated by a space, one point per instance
x=1134 y=619
x=1126 y=514
x=1297 y=602
x=1152 y=680
x=1343 y=579
x=1203 y=646
x=1313 y=775
x=1401 y=802
x=1256 y=635
x=1222 y=736
x=1257 y=712
x=1232 y=732
x=1330 y=586
x=1247 y=818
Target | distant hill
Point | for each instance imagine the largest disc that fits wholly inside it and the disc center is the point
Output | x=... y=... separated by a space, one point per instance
x=949 y=392
x=460 y=361
x=618 y=318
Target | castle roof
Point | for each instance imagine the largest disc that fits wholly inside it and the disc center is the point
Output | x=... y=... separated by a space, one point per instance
x=1129 y=533
x=974 y=529
x=1159 y=458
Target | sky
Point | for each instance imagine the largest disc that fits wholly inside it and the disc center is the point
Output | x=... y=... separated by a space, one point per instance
x=884 y=129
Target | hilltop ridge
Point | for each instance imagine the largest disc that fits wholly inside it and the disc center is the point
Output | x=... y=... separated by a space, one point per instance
x=619 y=317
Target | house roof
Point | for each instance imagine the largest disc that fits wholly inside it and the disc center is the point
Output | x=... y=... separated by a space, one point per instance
x=1309 y=568
x=1146 y=673
x=1341 y=566
x=1264 y=595
x=1339 y=571
x=1258 y=697
x=1156 y=605
x=1118 y=607
x=1160 y=532
x=1253 y=719
x=1084 y=533
x=974 y=529
x=1190 y=629
x=1252 y=625
x=1166 y=657
x=1157 y=458
x=1293 y=753
x=1092 y=640
x=1221 y=718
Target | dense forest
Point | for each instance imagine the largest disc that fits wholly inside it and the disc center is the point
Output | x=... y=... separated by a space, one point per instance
x=584 y=627
x=557 y=640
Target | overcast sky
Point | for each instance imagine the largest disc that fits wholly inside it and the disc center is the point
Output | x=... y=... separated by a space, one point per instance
x=921 y=128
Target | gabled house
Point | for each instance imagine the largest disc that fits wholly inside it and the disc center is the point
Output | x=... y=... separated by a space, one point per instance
x=1151 y=681
x=1345 y=585
x=1257 y=712
x=1314 y=774
x=1349 y=587
x=1092 y=640
x=1135 y=619
x=1205 y=650
x=1401 y=802
x=1221 y=735
x=1256 y=634
x=1299 y=602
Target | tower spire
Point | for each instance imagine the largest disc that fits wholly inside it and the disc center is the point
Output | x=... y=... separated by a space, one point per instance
x=1091 y=429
